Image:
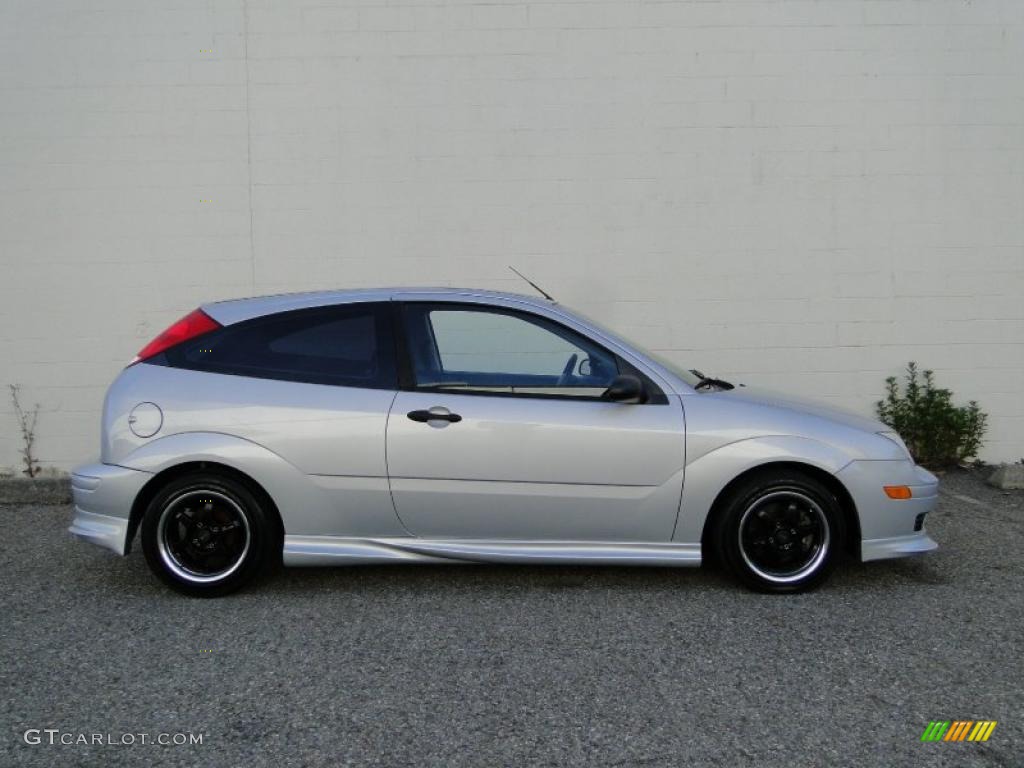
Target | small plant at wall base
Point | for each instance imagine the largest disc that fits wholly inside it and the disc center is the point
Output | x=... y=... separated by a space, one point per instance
x=938 y=433
x=27 y=422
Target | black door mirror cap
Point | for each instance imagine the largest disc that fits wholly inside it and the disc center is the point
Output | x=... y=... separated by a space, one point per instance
x=626 y=388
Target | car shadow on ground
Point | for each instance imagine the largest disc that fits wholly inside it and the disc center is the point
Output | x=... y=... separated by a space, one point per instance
x=108 y=573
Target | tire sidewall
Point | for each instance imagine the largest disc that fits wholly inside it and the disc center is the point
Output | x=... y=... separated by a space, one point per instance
x=260 y=534
x=727 y=530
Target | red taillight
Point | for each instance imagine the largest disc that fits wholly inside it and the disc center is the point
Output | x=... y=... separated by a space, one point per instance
x=191 y=325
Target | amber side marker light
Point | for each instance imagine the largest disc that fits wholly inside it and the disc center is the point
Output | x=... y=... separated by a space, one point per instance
x=898 y=491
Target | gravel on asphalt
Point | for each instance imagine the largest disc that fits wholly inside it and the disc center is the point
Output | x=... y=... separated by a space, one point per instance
x=519 y=666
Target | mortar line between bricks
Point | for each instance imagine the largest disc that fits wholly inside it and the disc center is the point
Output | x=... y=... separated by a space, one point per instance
x=248 y=144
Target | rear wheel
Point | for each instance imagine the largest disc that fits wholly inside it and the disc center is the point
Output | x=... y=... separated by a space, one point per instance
x=206 y=535
x=780 y=532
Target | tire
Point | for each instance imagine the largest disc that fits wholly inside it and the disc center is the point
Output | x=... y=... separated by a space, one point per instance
x=206 y=535
x=780 y=531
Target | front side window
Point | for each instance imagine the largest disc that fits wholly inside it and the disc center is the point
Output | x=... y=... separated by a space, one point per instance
x=349 y=345
x=464 y=348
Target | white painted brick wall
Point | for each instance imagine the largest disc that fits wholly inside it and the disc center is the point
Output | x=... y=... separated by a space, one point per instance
x=799 y=193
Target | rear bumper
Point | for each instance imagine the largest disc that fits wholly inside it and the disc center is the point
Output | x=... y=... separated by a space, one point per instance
x=891 y=527
x=102 y=530
x=103 y=496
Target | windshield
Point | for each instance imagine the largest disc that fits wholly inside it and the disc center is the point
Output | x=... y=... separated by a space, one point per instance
x=674 y=368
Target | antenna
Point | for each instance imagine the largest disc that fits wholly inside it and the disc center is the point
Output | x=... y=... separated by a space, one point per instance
x=539 y=290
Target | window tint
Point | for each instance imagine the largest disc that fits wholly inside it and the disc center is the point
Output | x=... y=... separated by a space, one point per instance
x=469 y=349
x=347 y=345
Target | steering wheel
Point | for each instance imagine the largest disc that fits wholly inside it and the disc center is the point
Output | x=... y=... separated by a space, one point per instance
x=570 y=366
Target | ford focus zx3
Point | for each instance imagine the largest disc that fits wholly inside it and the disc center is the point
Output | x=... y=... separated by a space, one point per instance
x=459 y=426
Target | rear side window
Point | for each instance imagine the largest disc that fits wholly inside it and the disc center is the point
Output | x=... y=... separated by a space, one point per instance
x=350 y=345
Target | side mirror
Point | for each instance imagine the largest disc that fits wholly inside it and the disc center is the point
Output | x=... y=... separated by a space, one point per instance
x=626 y=388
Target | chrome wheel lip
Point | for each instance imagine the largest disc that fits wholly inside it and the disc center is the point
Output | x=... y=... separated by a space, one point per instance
x=171 y=562
x=823 y=546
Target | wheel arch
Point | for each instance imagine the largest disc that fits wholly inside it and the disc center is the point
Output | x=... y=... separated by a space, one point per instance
x=166 y=475
x=712 y=474
x=851 y=518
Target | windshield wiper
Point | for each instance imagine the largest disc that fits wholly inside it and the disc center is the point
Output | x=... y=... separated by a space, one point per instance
x=709 y=381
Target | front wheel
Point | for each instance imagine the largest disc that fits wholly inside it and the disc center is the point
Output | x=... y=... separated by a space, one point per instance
x=780 y=532
x=206 y=535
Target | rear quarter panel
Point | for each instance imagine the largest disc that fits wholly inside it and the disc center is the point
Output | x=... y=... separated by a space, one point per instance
x=318 y=450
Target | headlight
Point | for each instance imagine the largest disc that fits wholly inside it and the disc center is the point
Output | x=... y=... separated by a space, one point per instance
x=894 y=437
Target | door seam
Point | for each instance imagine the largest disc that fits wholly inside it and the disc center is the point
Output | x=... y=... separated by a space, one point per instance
x=387 y=466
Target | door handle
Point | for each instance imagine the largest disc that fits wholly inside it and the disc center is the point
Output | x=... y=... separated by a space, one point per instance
x=433 y=415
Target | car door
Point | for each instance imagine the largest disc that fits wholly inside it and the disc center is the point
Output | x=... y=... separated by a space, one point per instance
x=501 y=433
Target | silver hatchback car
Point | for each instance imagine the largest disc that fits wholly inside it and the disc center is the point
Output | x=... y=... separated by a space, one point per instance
x=461 y=426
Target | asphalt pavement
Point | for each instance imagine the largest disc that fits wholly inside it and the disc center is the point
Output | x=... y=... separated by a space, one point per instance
x=516 y=666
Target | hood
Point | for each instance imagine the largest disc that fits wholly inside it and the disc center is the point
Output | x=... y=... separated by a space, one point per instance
x=759 y=396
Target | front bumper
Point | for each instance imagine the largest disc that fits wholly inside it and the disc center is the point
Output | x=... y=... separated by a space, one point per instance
x=891 y=527
x=103 y=496
x=897 y=546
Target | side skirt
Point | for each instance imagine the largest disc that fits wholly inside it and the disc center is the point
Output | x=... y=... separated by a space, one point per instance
x=337 y=550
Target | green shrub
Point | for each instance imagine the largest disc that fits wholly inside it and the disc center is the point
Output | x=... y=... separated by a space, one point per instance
x=937 y=432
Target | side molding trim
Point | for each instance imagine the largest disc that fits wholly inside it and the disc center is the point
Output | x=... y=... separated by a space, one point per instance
x=338 y=550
